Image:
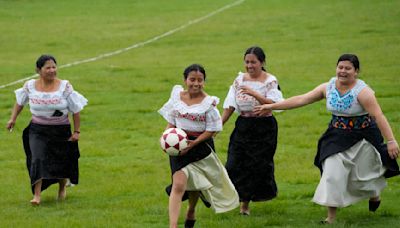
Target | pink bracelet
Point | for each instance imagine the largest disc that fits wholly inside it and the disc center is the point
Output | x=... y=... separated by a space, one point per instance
x=391 y=141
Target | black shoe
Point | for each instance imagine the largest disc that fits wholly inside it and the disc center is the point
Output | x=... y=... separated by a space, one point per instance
x=373 y=205
x=189 y=223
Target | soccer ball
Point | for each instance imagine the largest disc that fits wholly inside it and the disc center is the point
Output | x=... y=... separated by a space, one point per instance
x=173 y=140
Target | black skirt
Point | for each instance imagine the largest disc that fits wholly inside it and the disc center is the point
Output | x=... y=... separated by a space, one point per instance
x=49 y=155
x=336 y=140
x=250 y=162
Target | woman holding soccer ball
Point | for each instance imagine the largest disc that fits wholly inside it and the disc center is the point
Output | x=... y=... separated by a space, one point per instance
x=352 y=156
x=51 y=150
x=197 y=171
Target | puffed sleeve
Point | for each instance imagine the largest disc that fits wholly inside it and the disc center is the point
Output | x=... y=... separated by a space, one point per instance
x=167 y=110
x=22 y=95
x=230 y=100
x=273 y=92
x=76 y=101
x=213 y=118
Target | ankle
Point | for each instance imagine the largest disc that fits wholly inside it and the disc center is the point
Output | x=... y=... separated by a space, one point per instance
x=375 y=198
x=190 y=214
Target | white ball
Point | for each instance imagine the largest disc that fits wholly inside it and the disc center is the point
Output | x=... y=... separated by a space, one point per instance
x=173 y=140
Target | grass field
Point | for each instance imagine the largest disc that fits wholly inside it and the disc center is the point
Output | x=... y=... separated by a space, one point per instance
x=123 y=171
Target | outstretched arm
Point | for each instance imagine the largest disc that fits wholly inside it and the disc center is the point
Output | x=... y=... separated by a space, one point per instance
x=14 y=114
x=368 y=100
x=294 y=102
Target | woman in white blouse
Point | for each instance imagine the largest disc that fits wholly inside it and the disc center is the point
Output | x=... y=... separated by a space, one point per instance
x=197 y=172
x=51 y=150
x=352 y=156
x=252 y=144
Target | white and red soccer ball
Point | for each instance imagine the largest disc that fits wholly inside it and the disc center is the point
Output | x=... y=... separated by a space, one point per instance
x=173 y=140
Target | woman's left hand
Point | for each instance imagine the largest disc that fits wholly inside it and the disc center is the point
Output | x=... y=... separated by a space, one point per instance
x=393 y=149
x=74 y=137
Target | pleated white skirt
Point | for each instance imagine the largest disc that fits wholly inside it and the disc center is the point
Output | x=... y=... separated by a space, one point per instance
x=351 y=176
x=210 y=177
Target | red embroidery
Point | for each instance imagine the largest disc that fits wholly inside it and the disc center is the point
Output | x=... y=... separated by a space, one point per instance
x=193 y=117
x=52 y=101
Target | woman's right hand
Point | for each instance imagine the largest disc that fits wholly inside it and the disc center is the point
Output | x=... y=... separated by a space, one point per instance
x=186 y=150
x=10 y=125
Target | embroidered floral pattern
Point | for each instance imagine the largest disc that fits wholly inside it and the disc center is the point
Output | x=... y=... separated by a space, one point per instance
x=341 y=103
x=198 y=117
x=346 y=104
x=352 y=122
x=40 y=101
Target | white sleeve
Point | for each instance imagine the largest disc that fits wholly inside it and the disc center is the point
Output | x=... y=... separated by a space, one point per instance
x=273 y=92
x=230 y=100
x=22 y=95
x=167 y=110
x=213 y=120
x=76 y=102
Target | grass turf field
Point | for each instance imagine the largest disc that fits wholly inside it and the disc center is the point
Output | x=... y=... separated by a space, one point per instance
x=123 y=171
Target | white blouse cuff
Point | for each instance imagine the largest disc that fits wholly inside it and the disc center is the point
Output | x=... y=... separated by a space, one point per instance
x=76 y=102
x=166 y=114
x=230 y=100
x=275 y=95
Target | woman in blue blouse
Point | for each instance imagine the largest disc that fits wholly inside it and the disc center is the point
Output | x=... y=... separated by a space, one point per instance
x=352 y=156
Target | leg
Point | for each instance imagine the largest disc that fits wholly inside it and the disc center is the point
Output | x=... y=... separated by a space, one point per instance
x=179 y=181
x=37 y=189
x=190 y=214
x=62 y=191
x=244 y=208
x=331 y=215
x=193 y=198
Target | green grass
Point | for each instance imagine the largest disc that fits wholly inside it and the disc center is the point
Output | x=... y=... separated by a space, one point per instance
x=123 y=171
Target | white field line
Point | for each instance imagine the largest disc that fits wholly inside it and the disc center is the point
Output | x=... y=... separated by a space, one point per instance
x=105 y=55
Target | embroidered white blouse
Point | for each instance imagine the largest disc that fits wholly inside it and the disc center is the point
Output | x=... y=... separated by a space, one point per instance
x=195 y=118
x=50 y=107
x=346 y=104
x=245 y=103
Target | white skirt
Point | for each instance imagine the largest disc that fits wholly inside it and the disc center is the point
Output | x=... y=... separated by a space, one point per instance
x=351 y=176
x=210 y=177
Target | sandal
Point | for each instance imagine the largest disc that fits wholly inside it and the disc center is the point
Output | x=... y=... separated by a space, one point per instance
x=246 y=213
x=325 y=222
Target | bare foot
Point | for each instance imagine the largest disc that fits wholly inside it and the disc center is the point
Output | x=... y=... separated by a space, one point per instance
x=244 y=208
x=35 y=201
x=328 y=220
